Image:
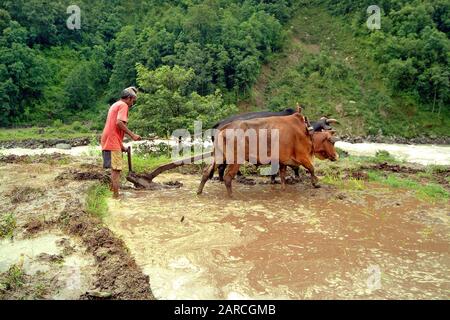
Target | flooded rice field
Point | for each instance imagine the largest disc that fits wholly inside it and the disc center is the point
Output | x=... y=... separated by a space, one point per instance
x=304 y=243
x=352 y=240
x=54 y=249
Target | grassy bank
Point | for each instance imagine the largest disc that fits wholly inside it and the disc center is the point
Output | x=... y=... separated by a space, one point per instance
x=430 y=183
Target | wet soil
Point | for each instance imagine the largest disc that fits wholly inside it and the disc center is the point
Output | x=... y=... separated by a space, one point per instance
x=44 y=143
x=53 y=158
x=62 y=252
x=326 y=243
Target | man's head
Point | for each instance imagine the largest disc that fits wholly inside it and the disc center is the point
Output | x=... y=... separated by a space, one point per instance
x=129 y=96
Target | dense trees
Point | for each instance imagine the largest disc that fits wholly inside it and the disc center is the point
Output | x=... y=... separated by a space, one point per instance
x=22 y=71
x=169 y=102
x=74 y=72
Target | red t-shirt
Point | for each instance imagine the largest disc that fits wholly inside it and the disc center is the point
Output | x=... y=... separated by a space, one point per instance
x=112 y=136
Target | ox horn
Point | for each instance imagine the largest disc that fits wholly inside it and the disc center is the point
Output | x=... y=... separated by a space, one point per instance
x=331 y=121
x=299 y=108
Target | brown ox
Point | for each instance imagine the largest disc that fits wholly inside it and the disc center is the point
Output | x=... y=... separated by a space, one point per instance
x=295 y=147
x=323 y=143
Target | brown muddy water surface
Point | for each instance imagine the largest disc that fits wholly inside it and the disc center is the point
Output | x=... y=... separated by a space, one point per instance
x=323 y=243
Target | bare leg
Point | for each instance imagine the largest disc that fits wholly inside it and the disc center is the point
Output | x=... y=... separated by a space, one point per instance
x=205 y=177
x=232 y=170
x=115 y=180
x=111 y=182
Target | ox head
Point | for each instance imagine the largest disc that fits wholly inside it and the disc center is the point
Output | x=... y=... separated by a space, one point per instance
x=324 y=145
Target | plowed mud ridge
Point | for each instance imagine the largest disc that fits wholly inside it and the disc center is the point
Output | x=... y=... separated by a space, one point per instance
x=63 y=252
x=357 y=239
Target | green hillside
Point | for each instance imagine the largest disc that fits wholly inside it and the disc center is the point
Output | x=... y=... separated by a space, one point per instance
x=332 y=71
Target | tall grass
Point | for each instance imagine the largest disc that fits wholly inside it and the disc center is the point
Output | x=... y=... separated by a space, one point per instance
x=429 y=191
x=7 y=226
x=96 y=203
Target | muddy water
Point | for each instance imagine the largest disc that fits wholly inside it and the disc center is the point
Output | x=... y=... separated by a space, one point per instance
x=49 y=259
x=299 y=244
x=71 y=274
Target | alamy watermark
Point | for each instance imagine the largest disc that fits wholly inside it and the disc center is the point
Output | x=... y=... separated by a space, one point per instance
x=374 y=21
x=374 y=280
x=74 y=20
x=73 y=281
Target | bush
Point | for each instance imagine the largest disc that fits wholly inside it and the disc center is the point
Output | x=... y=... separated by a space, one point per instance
x=77 y=126
x=57 y=123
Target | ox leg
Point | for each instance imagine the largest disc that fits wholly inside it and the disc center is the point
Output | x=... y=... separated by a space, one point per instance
x=273 y=179
x=314 y=180
x=296 y=171
x=283 y=176
x=211 y=174
x=222 y=168
x=232 y=171
x=205 y=177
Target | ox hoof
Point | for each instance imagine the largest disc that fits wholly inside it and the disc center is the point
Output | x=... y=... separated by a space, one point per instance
x=317 y=186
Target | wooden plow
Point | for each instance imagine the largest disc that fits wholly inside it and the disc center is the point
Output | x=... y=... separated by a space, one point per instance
x=145 y=180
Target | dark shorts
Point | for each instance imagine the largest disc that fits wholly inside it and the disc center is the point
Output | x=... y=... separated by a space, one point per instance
x=106 y=155
x=112 y=160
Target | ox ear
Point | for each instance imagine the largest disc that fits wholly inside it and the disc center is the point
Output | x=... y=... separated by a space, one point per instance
x=332 y=132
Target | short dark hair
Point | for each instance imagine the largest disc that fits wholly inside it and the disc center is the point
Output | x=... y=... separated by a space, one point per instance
x=128 y=93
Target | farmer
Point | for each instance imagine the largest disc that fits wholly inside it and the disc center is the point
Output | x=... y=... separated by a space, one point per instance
x=112 y=136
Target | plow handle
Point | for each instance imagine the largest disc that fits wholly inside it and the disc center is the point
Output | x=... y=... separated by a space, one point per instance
x=130 y=167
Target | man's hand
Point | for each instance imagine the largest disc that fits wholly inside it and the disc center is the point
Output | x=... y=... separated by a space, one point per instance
x=136 y=137
x=124 y=128
x=124 y=149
